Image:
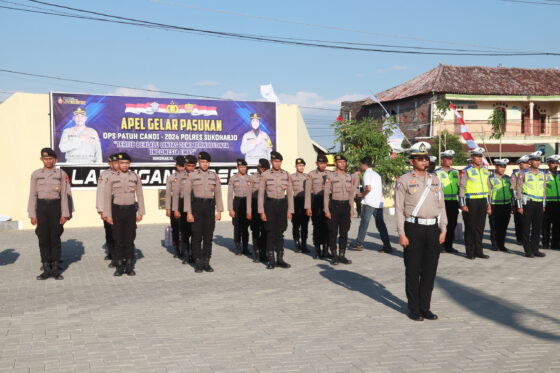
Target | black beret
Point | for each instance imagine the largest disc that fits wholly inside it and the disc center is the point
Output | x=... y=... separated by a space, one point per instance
x=275 y=155
x=264 y=163
x=180 y=160
x=190 y=159
x=47 y=152
x=241 y=162
x=124 y=157
x=322 y=158
x=339 y=157
x=300 y=161
x=204 y=156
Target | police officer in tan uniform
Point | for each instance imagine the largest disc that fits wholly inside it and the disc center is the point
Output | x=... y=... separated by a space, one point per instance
x=276 y=206
x=300 y=220
x=123 y=211
x=314 y=206
x=257 y=225
x=421 y=225
x=101 y=181
x=203 y=204
x=186 y=234
x=338 y=201
x=238 y=191
x=48 y=209
x=174 y=205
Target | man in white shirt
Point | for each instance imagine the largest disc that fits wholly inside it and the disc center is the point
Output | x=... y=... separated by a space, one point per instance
x=372 y=204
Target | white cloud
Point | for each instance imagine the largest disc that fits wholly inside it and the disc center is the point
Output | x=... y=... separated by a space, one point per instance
x=153 y=91
x=392 y=69
x=314 y=99
x=231 y=95
x=207 y=83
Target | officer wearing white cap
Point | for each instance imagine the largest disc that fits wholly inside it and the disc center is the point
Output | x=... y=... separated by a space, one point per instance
x=501 y=201
x=552 y=214
x=421 y=225
x=473 y=199
x=523 y=163
x=531 y=203
x=449 y=178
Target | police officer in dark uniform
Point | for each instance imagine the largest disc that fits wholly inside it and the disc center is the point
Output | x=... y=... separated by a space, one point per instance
x=276 y=206
x=421 y=225
x=500 y=200
x=338 y=201
x=300 y=220
x=238 y=190
x=314 y=206
x=257 y=225
x=186 y=234
x=174 y=205
x=203 y=204
x=124 y=189
x=551 y=223
x=101 y=182
x=48 y=209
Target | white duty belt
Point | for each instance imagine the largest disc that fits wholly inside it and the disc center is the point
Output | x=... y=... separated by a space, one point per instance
x=422 y=221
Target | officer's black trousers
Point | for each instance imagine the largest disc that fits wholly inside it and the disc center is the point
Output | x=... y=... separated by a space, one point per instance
x=421 y=260
x=257 y=229
x=475 y=220
x=338 y=224
x=124 y=231
x=320 y=231
x=276 y=211
x=300 y=220
x=518 y=229
x=204 y=214
x=551 y=225
x=109 y=240
x=49 y=229
x=531 y=224
x=180 y=226
x=240 y=222
x=452 y=212
x=499 y=221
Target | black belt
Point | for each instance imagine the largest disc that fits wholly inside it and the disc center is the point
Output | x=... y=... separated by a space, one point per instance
x=124 y=207
x=320 y=194
x=204 y=200
x=337 y=202
x=276 y=199
x=49 y=201
x=238 y=198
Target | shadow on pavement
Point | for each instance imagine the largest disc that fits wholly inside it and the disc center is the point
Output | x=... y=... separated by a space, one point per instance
x=498 y=310
x=8 y=256
x=72 y=252
x=392 y=238
x=367 y=286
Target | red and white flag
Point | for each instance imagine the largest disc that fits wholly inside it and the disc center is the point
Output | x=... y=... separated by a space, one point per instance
x=469 y=139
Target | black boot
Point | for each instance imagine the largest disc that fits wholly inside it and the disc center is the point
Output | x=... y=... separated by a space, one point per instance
x=246 y=248
x=46 y=272
x=237 y=248
x=175 y=250
x=280 y=262
x=198 y=265
x=303 y=246
x=55 y=271
x=256 y=254
x=317 y=254
x=296 y=242
x=270 y=264
x=334 y=256
x=342 y=258
x=206 y=265
x=326 y=254
x=130 y=267
x=119 y=268
x=109 y=256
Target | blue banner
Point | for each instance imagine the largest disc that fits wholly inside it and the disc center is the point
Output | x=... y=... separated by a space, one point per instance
x=86 y=129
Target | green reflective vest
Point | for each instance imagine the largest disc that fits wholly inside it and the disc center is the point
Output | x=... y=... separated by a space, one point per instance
x=477 y=182
x=449 y=181
x=533 y=185
x=500 y=193
x=552 y=184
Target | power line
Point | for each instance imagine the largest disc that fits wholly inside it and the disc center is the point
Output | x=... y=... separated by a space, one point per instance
x=554 y=3
x=259 y=38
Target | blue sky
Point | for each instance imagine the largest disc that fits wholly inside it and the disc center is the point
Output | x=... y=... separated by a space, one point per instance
x=219 y=67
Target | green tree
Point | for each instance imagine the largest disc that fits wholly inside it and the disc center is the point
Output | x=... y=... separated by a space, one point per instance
x=368 y=138
x=497 y=120
x=450 y=142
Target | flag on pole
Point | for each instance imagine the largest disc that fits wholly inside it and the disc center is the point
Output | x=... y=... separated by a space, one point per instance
x=396 y=137
x=267 y=92
x=469 y=139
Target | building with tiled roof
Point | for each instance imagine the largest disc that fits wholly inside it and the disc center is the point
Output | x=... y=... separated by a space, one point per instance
x=530 y=99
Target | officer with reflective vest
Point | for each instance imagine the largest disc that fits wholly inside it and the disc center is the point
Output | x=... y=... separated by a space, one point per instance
x=473 y=199
x=449 y=178
x=501 y=202
x=523 y=163
x=551 y=223
x=531 y=203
